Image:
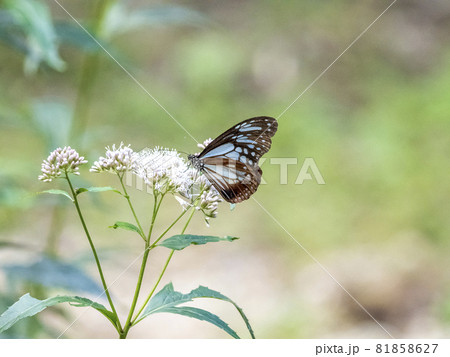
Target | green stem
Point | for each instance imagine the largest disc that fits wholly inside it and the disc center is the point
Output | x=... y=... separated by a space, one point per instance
x=83 y=100
x=162 y=273
x=154 y=288
x=127 y=326
x=168 y=229
x=157 y=205
x=141 y=231
x=149 y=247
x=97 y=261
x=89 y=73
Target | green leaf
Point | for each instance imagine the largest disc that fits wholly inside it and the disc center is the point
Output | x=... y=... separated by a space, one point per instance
x=167 y=299
x=34 y=19
x=10 y=32
x=28 y=306
x=203 y=315
x=71 y=33
x=97 y=189
x=126 y=225
x=204 y=292
x=50 y=272
x=58 y=192
x=181 y=241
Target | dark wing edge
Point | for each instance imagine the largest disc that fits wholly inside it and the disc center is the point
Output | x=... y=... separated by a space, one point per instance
x=240 y=190
x=268 y=126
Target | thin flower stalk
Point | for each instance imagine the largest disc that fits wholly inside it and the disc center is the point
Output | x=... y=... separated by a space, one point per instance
x=128 y=323
x=94 y=252
x=160 y=275
x=165 y=172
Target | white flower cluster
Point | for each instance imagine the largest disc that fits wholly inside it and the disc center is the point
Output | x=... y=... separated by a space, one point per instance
x=209 y=202
x=200 y=194
x=166 y=172
x=205 y=143
x=61 y=160
x=162 y=169
x=115 y=160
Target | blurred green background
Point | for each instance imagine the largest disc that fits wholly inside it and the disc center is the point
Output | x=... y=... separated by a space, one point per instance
x=376 y=124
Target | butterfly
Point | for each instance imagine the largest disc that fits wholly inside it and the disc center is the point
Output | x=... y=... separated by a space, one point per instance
x=230 y=162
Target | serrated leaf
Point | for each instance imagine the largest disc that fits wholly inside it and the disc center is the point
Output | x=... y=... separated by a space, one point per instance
x=28 y=306
x=181 y=241
x=205 y=292
x=58 y=192
x=126 y=225
x=168 y=298
x=54 y=273
x=97 y=189
x=202 y=315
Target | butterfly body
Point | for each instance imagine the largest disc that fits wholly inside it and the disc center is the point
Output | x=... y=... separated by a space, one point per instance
x=196 y=162
x=230 y=162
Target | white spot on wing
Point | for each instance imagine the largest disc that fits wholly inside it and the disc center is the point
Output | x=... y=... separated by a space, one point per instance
x=233 y=155
x=220 y=150
x=250 y=128
x=244 y=140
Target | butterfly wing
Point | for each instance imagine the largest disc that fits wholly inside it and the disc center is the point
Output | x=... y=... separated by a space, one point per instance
x=230 y=162
x=234 y=180
x=249 y=138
